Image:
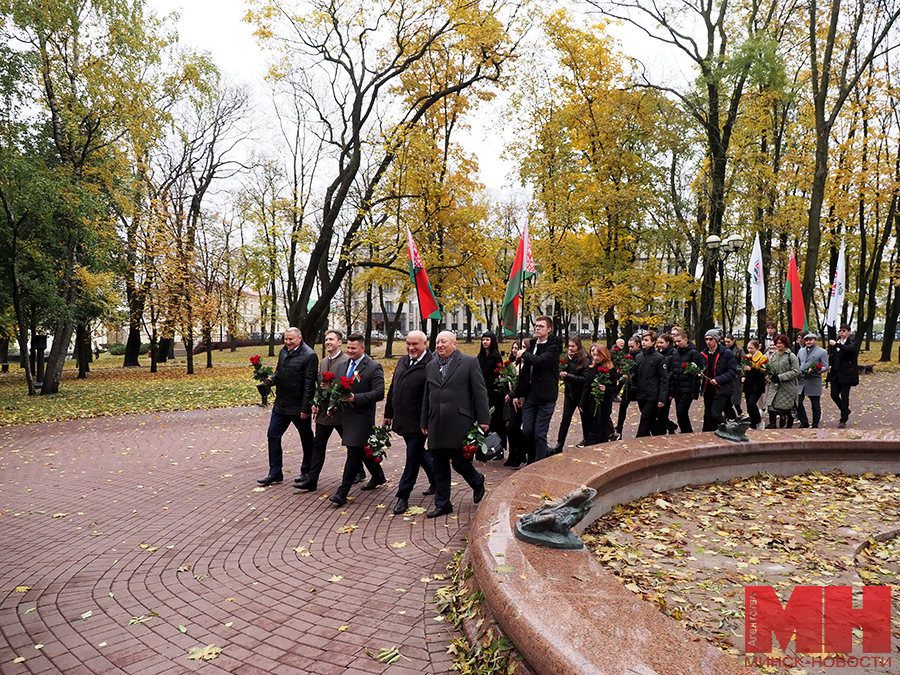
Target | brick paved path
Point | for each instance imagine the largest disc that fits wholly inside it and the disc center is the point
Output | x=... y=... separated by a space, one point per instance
x=145 y=496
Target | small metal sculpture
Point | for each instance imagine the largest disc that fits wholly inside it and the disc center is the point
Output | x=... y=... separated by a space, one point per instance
x=735 y=430
x=551 y=524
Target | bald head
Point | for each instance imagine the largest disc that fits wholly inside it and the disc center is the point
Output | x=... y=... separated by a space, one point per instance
x=445 y=344
x=415 y=344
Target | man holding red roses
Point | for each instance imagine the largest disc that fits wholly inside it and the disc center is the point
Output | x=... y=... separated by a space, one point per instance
x=365 y=379
x=813 y=364
x=294 y=381
x=455 y=398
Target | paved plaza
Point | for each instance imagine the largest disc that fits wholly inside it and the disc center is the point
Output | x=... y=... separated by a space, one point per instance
x=128 y=541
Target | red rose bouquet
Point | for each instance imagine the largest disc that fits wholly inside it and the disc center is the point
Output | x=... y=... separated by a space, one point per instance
x=340 y=390
x=260 y=372
x=322 y=397
x=379 y=439
x=812 y=369
x=474 y=442
x=507 y=377
x=601 y=379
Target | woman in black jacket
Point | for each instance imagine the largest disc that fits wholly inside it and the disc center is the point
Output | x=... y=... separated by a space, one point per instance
x=512 y=412
x=573 y=380
x=490 y=361
x=596 y=419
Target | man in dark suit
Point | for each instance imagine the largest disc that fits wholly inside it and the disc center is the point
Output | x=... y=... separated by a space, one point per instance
x=455 y=398
x=403 y=413
x=295 y=382
x=367 y=388
x=335 y=362
x=844 y=371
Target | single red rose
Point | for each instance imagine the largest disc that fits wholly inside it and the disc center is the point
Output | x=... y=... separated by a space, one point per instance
x=615 y=349
x=629 y=357
x=377 y=460
x=684 y=365
x=367 y=448
x=497 y=369
x=328 y=376
x=345 y=382
x=254 y=360
x=818 y=366
x=748 y=357
x=601 y=369
x=506 y=363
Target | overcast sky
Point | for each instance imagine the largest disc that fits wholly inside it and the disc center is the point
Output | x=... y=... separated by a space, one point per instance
x=216 y=26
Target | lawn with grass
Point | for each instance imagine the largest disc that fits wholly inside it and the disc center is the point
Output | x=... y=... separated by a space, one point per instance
x=113 y=390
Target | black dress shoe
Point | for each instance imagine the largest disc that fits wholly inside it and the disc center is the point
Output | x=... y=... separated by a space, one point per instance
x=429 y=491
x=360 y=477
x=307 y=486
x=478 y=493
x=373 y=483
x=439 y=512
x=338 y=499
x=401 y=506
x=271 y=478
x=302 y=478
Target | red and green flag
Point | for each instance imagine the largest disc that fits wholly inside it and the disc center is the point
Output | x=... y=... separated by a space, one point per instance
x=522 y=269
x=428 y=304
x=793 y=292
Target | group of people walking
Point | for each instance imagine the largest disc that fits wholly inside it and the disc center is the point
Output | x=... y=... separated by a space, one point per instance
x=435 y=400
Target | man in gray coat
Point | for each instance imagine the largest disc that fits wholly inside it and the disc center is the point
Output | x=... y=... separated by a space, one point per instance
x=813 y=364
x=455 y=399
x=367 y=388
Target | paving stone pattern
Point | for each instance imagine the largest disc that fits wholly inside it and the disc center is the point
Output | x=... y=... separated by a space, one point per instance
x=146 y=495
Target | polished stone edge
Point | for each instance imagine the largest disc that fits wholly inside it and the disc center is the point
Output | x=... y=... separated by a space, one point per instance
x=569 y=616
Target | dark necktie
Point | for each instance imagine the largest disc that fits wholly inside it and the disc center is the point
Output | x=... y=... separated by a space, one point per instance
x=351 y=369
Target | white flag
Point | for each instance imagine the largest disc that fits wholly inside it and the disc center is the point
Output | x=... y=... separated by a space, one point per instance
x=757 y=282
x=838 y=290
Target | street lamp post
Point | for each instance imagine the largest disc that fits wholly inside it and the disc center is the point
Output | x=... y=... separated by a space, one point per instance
x=721 y=249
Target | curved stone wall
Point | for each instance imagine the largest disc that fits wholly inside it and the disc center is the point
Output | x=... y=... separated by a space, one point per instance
x=569 y=616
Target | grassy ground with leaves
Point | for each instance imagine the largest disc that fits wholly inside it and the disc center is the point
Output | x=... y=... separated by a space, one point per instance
x=112 y=390
x=692 y=551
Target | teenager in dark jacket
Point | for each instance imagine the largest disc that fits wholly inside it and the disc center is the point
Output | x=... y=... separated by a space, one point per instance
x=651 y=384
x=720 y=368
x=573 y=383
x=626 y=394
x=665 y=346
x=733 y=409
x=539 y=386
x=490 y=361
x=684 y=389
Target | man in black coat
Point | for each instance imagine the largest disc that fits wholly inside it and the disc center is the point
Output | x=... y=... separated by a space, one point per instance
x=403 y=413
x=844 y=371
x=650 y=378
x=455 y=399
x=683 y=388
x=539 y=387
x=366 y=389
x=295 y=383
x=720 y=367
